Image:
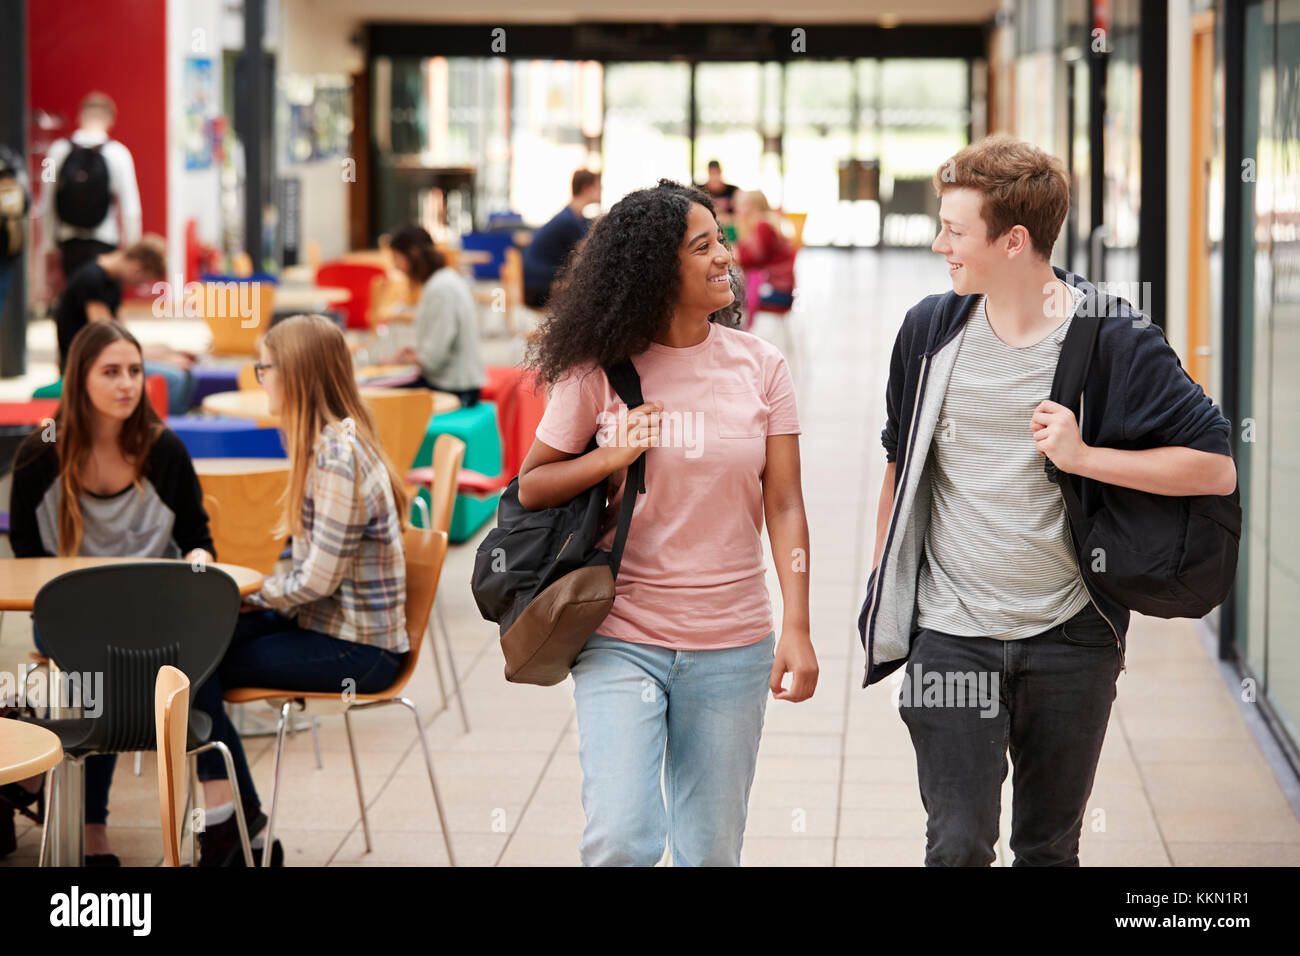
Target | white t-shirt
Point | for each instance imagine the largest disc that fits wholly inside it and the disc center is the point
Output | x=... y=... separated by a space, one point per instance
x=122 y=186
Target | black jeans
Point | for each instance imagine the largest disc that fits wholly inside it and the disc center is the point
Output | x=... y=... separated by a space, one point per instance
x=968 y=700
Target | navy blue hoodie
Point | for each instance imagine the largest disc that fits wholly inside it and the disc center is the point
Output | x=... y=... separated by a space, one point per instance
x=1136 y=396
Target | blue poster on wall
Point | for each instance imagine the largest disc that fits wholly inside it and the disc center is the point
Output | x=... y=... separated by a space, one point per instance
x=199 y=101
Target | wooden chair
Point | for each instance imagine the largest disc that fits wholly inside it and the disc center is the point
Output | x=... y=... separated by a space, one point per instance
x=246 y=381
x=797 y=221
x=443 y=480
x=234 y=332
x=171 y=707
x=425 y=554
x=243 y=500
x=401 y=418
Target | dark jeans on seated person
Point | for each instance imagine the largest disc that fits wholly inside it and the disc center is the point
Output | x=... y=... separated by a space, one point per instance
x=98 y=771
x=1047 y=698
x=269 y=650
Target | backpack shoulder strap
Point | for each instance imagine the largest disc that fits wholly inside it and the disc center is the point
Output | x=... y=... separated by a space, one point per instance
x=1067 y=389
x=625 y=381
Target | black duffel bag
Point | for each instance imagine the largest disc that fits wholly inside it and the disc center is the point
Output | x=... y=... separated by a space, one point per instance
x=541 y=577
x=1162 y=555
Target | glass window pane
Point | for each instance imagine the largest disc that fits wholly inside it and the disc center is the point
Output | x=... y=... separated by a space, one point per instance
x=646 y=129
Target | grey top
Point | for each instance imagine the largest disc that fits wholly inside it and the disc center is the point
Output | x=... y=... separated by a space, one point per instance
x=446 y=332
x=998 y=561
x=134 y=523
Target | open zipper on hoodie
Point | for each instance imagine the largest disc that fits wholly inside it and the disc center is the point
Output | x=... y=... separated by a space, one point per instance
x=1123 y=665
x=901 y=483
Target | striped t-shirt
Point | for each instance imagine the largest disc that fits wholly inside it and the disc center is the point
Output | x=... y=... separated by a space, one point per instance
x=998 y=561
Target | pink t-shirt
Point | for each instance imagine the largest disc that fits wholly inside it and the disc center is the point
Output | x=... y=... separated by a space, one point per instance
x=693 y=576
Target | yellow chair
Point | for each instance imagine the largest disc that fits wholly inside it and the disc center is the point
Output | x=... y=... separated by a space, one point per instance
x=243 y=499
x=247 y=379
x=238 y=314
x=171 y=708
x=425 y=554
x=401 y=418
x=797 y=221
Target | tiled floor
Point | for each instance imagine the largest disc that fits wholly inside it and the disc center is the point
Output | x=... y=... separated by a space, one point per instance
x=1181 y=780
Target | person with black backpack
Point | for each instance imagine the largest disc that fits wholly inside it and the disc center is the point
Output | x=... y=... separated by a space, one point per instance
x=1024 y=392
x=673 y=684
x=94 y=183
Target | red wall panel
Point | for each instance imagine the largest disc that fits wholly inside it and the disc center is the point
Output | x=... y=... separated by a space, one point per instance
x=118 y=47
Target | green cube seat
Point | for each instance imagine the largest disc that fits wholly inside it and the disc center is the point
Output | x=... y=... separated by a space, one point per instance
x=477 y=428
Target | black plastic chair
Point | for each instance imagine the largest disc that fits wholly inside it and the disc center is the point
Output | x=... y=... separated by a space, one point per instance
x=125 y=621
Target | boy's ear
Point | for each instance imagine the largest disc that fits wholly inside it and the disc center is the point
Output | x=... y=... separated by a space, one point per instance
x=1016 y=241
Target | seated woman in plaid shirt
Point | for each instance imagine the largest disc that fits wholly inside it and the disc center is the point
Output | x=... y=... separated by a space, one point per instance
x=336 y=620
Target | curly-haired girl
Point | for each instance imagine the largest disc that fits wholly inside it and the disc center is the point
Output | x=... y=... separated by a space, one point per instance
x=675 y=680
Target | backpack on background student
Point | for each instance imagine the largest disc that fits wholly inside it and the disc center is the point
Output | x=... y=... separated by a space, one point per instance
x=539 y=574
x=1162 y=555
x=82 y=195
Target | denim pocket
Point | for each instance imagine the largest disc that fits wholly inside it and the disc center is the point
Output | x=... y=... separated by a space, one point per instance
x=1088 y=629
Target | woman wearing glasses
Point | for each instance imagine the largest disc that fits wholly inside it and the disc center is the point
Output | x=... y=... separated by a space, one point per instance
x=336 y=620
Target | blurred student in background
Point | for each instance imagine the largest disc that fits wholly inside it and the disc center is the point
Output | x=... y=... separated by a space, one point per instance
x=764 y=252
x=552 y=243
x=446 y=327
x=93 y=294
x=94 y=184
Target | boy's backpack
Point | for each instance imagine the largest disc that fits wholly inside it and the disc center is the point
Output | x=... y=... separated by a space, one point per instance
x=541 y=577
x=82 y=194
x=13 y=211
x=1162 y=555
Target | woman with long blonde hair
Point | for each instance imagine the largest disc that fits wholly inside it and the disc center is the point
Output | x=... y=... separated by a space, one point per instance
x=336 y=619
x=104 y=478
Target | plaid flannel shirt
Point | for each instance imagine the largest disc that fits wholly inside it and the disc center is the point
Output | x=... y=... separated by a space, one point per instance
x=349 y=570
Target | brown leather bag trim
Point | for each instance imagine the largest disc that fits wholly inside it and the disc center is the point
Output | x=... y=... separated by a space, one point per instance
x=556 y=624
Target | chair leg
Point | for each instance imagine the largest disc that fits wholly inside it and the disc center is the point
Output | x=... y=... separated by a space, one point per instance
x=139 y=762
x=196 y=790
x=451 y=665
x=50 y=798
x=433 y=782
x=286 y=714
x=432 y=640
x=240 y=821
x=356 y=773
x=315 y=741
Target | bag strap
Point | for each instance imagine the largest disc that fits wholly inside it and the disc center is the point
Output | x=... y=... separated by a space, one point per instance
x=1067 y=389
x=627 y=383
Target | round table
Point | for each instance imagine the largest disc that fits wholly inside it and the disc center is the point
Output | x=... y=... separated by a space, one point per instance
x=310 y=298
x=253 y=404
x=387 y=376
x=26 y=750
x=21 y=578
